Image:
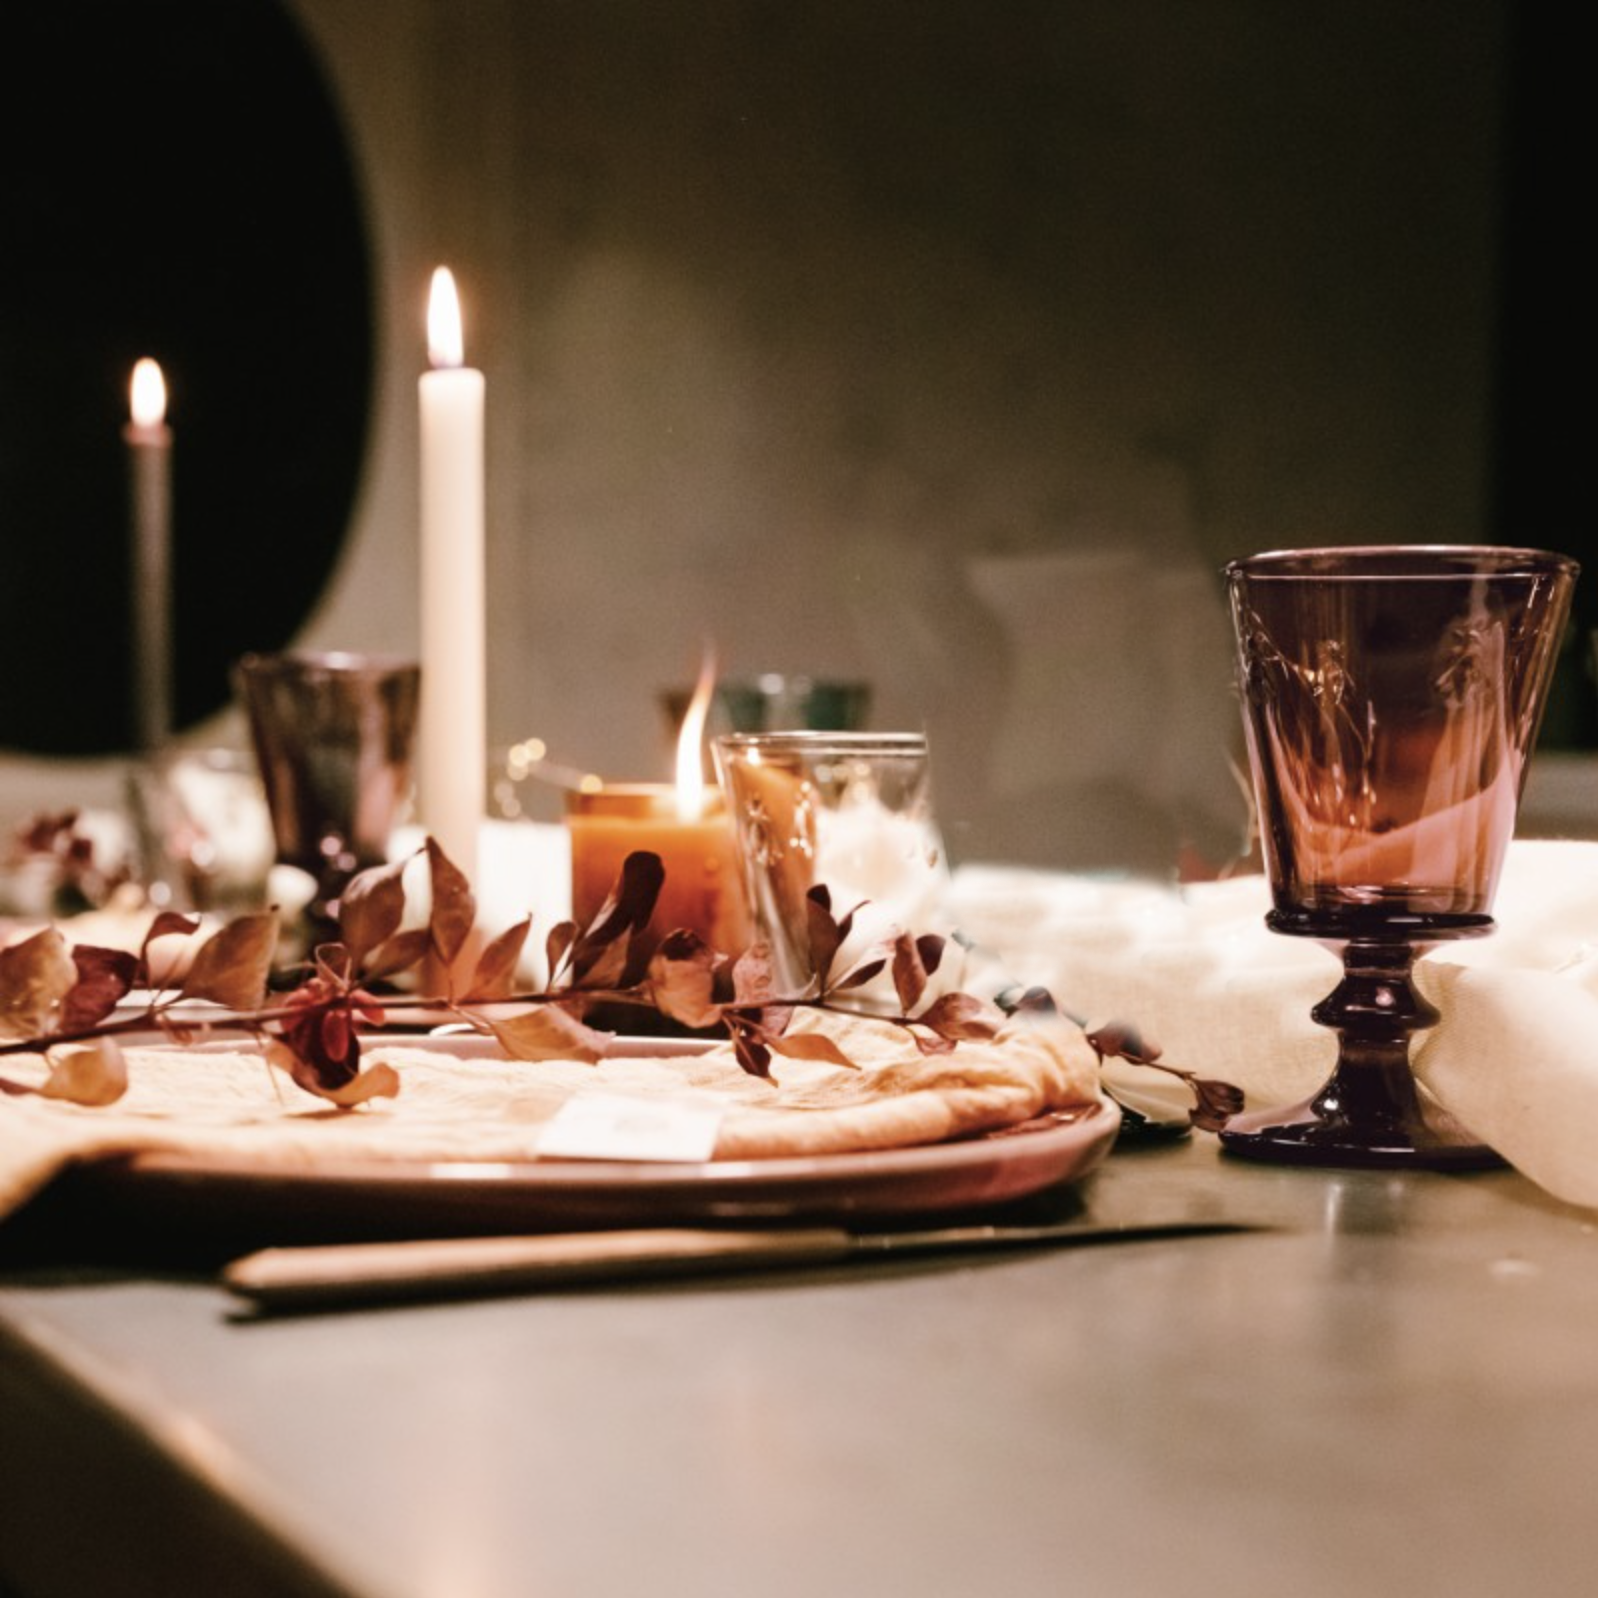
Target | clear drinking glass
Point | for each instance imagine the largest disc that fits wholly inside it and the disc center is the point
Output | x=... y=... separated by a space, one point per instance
x=848 y=811
x=1392 y=697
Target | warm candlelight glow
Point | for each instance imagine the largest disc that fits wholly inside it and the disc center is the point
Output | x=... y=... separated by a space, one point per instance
x=446 y=344
x=691 y=742
x=147 y=394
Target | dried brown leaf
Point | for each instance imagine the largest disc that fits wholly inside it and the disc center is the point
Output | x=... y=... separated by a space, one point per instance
x=556 y=946
x=233 y=965
x=399 y=953
x=752 y=1050
x=599 y=955
x=600 y=965
x=549 y=1032
x=808 y=1046
x=454 y=910
x=346 y=1088
x=371 y=908
x=170 y=924
x=36 y=974
x=909 y=972
x=495 y=976
x=379 y=1081
x=753 y=978
x=93 y=1073
x=1125 y=1041
x=960 y=1017
x=682 y=978
x=823 y=931
x=858 y=976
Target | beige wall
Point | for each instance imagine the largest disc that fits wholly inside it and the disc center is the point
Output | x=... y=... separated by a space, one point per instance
x=951 y=344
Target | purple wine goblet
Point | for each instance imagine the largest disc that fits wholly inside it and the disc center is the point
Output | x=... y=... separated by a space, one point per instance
x=332 y=735
x=1391 y=700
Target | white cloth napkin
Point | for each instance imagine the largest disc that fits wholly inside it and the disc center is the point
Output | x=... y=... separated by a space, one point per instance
x=1514 y=1057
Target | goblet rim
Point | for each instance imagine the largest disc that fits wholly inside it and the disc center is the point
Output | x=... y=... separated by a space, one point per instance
x=1387 y=562
x=343 y=663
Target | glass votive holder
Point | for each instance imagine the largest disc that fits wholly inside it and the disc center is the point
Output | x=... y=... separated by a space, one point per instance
x=205 y=839
x=851 y=811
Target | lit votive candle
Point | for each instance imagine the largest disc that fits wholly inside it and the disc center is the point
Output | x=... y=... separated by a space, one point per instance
x=703 y=891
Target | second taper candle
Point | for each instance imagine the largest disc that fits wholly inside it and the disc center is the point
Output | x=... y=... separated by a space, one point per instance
x=451 y=732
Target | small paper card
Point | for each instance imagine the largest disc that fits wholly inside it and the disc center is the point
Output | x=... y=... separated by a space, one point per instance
x=613 y=1126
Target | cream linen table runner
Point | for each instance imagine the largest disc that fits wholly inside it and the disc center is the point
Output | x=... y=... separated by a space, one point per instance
x=1514 y=1057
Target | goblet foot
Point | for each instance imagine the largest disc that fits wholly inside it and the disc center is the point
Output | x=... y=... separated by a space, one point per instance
x=1310 y=1134
x=1370 y=1111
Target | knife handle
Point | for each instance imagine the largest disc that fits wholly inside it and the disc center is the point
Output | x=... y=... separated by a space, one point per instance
x=345 y=1273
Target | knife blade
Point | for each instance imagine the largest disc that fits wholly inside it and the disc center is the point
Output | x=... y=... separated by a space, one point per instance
x=327 y=1276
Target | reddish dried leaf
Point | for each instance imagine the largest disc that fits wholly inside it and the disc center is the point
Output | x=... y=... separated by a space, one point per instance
x=909 y=974
x=930 y=947
x=92 y=1074
x=36 y=974
x=454 y=910
x=549 y=1032
x=960 y=1017
x=682 y=978
x=371 y=908
x=317 y=1045
x=232 y=966
x=495 y=976
x=105 y=978
x=752 y=1052
x=823 y=931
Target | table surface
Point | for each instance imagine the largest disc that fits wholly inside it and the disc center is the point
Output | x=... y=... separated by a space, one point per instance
x=1395 y=1389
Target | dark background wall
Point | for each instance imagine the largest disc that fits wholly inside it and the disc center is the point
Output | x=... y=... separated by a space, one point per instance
x=946 y=344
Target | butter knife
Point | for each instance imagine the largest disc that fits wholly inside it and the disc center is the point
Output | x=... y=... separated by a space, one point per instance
x=329 y=1276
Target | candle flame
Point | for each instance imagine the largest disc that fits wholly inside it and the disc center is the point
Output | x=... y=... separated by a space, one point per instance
x=147 y=394
x=690 y=743
x=446 y=344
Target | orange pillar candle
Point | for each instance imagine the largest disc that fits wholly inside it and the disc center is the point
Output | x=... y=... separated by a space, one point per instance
x=703 y=889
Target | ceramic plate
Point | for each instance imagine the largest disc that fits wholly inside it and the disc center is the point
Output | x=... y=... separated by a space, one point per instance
x=379 y=1198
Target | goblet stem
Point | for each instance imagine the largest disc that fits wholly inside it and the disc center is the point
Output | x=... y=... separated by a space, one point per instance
x=1370 y=1110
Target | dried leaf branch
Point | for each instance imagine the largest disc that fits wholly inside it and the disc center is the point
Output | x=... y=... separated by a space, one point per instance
x=73 y=1005
x=1214 y=1102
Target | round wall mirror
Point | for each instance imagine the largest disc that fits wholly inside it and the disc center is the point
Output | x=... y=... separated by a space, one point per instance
x=178 y=185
